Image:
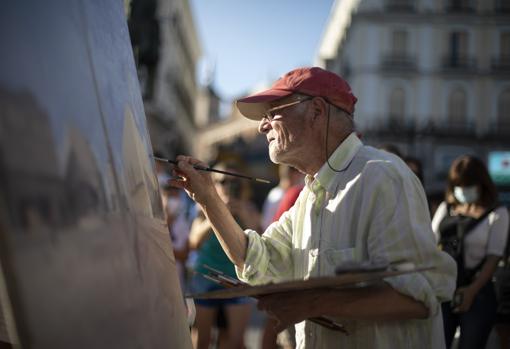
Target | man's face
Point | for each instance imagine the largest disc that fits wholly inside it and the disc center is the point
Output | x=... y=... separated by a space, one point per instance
x=286 y=128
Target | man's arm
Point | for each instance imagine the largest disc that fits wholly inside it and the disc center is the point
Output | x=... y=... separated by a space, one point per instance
x=229 y=233
x=378 y=303
x=200 y=187
x=396 y=227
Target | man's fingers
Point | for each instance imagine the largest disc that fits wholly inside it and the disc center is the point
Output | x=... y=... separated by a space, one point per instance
x=185 y=167
x=191 y=161
x=187 y=171
x=176 y=183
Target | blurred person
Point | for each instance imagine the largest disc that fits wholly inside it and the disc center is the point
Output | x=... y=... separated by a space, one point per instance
x=179 y=226
x=359 y=204
x=161 y=170
x=472 y=227
x=270 y=337
x=275 y=195
x=391 y=148
x=415 y=165
x=177 y=217
x=236 y=311
x=291 y=193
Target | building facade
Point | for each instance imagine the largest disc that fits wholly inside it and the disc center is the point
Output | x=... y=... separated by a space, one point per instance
x=432 y=76
x=167 y=48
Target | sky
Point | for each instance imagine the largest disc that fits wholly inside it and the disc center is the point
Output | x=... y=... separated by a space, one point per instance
x=252 y=42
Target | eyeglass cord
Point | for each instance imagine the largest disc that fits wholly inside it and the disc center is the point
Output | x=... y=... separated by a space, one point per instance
x=327 y=135
x=327 y=156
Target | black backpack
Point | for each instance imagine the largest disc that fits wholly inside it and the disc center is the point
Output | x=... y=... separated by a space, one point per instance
x=453 y=230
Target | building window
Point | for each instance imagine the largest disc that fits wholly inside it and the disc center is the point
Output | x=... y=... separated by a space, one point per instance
x=458 y=45
x=504 y=46
x=399 y=43
x=502 y=61
x=504 y=110
x=144 y=32
x=458 y=51
x=397 y=105
x=457 y=109
x=398 y=57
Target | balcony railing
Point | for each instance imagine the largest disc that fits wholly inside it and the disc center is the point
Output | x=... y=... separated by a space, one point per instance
x=459 y=128
x=448 y=129
x=412 y=127
x=391 y=125
x=501 y=64
x=459 y=6
x=399 y=6
x=500 y=130
x=398 y=62
x=409 y=128
x=458 y=63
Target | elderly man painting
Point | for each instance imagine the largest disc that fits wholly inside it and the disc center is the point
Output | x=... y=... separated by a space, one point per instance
x=358 y=204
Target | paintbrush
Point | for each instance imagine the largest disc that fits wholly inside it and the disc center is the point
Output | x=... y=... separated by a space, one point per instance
x=210 y=169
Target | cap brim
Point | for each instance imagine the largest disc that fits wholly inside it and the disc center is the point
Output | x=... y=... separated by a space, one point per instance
x=254 y=106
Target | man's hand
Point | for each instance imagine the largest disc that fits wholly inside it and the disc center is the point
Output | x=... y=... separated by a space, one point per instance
x=289 y=308
x=197 y=184
x=200 y=187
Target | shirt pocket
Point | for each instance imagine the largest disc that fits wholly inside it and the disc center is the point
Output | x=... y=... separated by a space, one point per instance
x=333 y=258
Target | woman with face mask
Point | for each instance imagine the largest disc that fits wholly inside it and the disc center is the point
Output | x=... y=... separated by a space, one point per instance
x=473 y=228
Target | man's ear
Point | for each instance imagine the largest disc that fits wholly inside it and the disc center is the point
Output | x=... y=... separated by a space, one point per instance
x=320 y=108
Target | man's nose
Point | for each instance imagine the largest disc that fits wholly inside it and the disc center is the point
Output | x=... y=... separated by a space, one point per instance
x=264 y=125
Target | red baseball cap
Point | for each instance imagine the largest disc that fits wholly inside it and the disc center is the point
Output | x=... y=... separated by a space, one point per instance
x=311 y=81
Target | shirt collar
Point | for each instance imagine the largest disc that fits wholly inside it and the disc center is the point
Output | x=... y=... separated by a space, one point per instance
x=339 y=160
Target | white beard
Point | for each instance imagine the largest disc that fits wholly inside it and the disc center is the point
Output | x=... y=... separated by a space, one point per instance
x=273 y=152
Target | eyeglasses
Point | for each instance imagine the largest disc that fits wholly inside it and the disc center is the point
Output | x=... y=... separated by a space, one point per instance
x=272 y=112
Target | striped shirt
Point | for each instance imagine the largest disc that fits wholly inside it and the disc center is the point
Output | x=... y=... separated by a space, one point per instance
x=371 y=208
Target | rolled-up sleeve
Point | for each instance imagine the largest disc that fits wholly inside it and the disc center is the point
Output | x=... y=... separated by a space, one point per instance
x=269 y=257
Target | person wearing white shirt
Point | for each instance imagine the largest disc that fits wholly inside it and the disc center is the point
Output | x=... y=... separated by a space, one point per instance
x=358 y=204
x=473 y=228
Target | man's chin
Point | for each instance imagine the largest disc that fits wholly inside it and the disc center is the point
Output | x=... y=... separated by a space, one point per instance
x=277 y=158
x=274 y=157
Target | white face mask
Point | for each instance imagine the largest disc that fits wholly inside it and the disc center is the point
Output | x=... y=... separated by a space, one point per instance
x=466 y=195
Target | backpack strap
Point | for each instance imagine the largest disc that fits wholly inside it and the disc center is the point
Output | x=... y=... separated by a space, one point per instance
x=506 y=262
x=482 y=217
x=468 y=274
